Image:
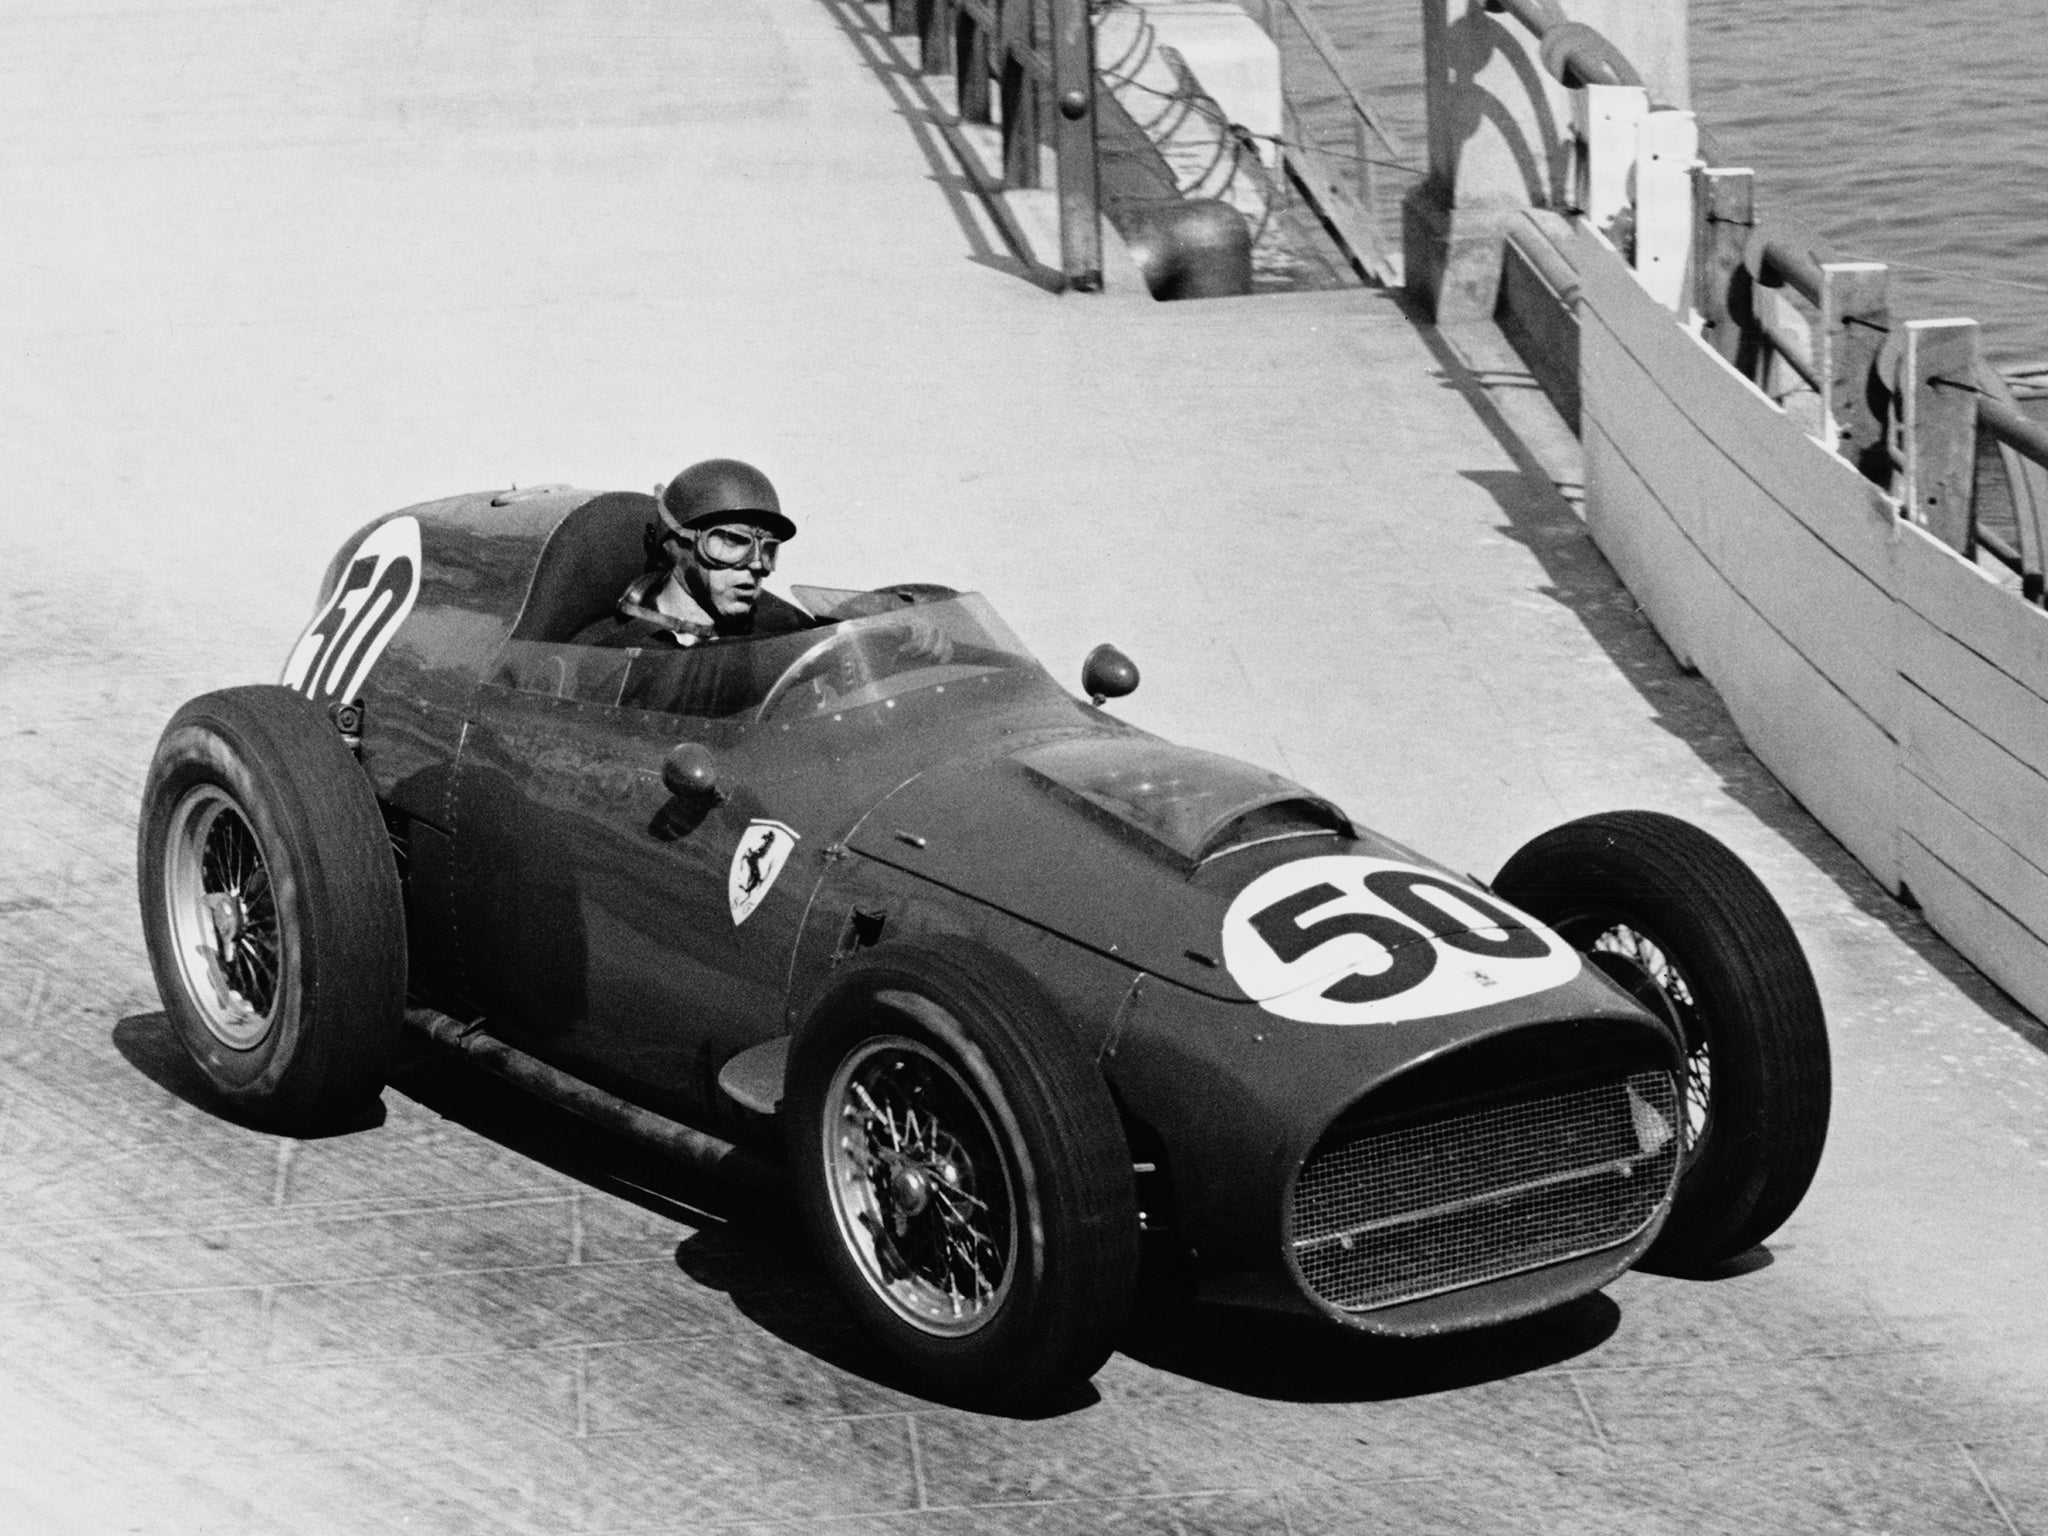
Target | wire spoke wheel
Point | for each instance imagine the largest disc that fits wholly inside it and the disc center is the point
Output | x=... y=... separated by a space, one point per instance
x=1641 y=965
x=919 y=1186
x=963 y=1173
x=227 y=939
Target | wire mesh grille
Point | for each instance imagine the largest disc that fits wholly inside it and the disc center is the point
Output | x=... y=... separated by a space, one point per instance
x=1390 y=1216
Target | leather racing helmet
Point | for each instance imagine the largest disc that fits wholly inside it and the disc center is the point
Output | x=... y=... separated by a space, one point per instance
x=723 y=490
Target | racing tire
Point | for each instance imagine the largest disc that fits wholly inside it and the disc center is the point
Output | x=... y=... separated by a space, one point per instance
x=963 y=1174
x=271 y=905
x=1678 y=920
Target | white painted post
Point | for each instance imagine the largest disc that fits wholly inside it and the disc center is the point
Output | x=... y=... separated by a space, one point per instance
x=1667 y=149
x=1609 y=123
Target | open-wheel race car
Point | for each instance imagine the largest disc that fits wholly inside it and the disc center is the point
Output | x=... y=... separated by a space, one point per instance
x=994 y=983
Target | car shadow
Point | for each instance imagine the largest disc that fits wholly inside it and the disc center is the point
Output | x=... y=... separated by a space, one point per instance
x=1297 y=1360
x=149 y=1043
x=748 y=1245
x=767 y=1269
x=547 y=1134
x=1759 y=1257
x=745 y=1243
x=764 y=1265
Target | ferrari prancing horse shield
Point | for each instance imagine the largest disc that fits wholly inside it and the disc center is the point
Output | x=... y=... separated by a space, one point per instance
x=764 y=848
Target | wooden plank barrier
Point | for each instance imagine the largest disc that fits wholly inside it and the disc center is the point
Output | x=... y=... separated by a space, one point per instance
x=1974 y=837
x=1897 y=688
x=1538 y=306
x=1832 y=755
x=1818 y=602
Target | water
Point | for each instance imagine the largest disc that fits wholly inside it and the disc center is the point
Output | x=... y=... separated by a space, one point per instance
x=1913 y=132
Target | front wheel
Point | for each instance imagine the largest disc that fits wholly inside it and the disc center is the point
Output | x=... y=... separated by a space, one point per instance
x=964 y=1176
x=1681 y=923
x=271 y=905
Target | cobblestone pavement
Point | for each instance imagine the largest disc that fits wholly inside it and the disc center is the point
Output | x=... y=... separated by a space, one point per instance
x=273 y=271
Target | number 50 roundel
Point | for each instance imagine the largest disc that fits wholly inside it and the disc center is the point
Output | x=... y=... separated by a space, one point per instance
x=369 y=602
x=1346 y=939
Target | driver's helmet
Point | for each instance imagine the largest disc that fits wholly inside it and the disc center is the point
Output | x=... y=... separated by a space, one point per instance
x=723 y=490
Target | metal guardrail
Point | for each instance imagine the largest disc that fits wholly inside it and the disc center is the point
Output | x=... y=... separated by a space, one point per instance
x=1029 y=64
x=1028 y=68
x=1576 y=54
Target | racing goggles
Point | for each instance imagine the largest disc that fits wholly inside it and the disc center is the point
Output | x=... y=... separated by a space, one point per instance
x=728 y=546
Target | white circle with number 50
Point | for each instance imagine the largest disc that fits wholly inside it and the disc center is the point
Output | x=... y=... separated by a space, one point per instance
x=371 y=598
x=1350 y=939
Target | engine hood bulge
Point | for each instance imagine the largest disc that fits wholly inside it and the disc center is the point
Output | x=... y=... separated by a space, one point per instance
x=1183 y=799
x=1111 y=841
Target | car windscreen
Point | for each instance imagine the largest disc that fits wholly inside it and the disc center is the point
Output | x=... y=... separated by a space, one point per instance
x=835 y=667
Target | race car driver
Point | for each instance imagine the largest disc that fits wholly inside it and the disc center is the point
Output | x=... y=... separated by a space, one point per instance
x=721 y=527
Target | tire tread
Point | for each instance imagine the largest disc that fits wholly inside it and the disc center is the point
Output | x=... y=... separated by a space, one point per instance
x=350 y=990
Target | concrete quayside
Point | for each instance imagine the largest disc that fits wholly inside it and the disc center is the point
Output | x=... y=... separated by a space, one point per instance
x=278 y=271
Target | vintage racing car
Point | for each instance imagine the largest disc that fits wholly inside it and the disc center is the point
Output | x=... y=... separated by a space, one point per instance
x=995 y=982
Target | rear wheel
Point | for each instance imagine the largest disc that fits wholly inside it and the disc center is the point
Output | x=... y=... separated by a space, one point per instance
x=1680 y=922
x=271 y=905
x=964 y=1176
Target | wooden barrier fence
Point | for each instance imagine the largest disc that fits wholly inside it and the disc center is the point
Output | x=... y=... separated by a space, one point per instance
x=1894 y=681
x=1836 y=514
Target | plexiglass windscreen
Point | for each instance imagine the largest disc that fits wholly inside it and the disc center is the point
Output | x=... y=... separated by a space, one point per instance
x=891 y=649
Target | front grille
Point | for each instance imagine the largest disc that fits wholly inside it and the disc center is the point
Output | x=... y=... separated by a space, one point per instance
x=1393 y=1215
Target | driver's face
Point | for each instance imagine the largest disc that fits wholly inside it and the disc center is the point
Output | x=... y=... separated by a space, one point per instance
x=726 y=593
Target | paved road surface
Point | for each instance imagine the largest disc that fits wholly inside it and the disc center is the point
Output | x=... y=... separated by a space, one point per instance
x=271 y=269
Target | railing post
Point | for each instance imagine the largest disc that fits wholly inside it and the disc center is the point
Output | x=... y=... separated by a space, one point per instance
x=1853 y=320
x=935 y=37
x=970 y=47
x=903 y=18
x=1724 y=217
x=1610 y=120
x=1073 y=122
x=1665 y=152
x=1937 y=393
x=1019 y=94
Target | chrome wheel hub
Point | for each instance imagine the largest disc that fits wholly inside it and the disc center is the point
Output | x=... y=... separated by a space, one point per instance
x=228 y=919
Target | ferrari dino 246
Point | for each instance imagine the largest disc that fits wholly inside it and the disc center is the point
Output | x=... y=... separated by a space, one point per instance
x=993 y=981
